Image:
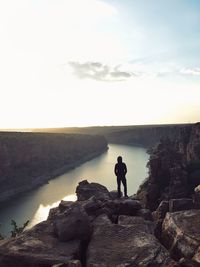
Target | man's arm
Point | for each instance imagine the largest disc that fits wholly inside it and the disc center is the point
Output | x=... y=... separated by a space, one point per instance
x=116 y=170
x=125 y=169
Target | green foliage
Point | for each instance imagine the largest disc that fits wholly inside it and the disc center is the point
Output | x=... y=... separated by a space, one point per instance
x=17 y=230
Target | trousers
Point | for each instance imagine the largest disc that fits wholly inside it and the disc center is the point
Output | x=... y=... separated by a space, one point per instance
x=123 y=180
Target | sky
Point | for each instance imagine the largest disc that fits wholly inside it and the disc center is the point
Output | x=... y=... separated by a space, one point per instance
x=92 y=62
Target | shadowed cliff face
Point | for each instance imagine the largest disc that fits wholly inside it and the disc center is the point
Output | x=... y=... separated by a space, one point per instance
x=174 y=168
x=30 y=159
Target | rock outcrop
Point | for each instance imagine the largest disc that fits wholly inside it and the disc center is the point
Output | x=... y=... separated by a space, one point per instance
x=125 y=245
x=157 y=228
x=96 y=231
x=28 y=160
x=174 y=169
x=181 y=234
x=172 y=193
x=38 y=247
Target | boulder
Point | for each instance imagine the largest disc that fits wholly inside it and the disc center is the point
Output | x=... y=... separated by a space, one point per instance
x=181 y=234
x=196 y=196
x=114 y=194
x=73 y=224
x=161 y=211
x=93 y=206
x=124 y=206
x=86 y=190
x=196 y=257
x=181 y=204
x=37 y=247
x=125 y=245
x=53 y=212
x=101 y=220
x=145 y=214
x=73 y=263
x=142 y=225
x=188 y=263
x=65 y=205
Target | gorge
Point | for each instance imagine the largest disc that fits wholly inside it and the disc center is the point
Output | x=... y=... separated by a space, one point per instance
x=157 y=227
x=28 y=160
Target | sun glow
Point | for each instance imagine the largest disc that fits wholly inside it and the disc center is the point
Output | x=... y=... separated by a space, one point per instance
x=39 y=88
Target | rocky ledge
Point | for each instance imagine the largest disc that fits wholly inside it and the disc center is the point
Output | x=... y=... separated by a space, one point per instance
x=101 y=230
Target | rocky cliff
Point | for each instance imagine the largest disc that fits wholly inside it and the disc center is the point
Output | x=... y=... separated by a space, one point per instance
x=140 y=135
x=30 y=159
x=98 y=230
x=174 y=168
x=158 y=227
x=101 y=230
x=146 y=136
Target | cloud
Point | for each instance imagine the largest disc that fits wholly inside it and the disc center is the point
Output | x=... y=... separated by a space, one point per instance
x=99 y=71
x=191 y=71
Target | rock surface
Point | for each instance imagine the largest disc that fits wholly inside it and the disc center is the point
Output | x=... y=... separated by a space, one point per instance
x=73 y=224
x=86 y=190
x=181 y=234
x=38 y=247
x=125 y=245
x=116 y=235
x=174 y=169
x=99 y=231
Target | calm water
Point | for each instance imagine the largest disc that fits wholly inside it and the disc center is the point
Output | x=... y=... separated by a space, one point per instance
x=35 y=205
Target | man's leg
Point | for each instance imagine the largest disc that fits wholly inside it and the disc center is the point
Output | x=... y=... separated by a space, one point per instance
x=119 y=186
x=125 y=186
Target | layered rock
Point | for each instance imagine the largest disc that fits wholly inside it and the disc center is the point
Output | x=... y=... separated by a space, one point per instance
x=38 y=247
x=86 y=190
x=125 y=245
x=181 y=234
x=95 y=231
x=174 y=169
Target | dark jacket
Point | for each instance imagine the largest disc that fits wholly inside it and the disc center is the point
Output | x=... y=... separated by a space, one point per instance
x=120 y=170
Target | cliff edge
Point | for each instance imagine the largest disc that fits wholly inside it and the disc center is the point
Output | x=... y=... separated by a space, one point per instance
x=101 y=230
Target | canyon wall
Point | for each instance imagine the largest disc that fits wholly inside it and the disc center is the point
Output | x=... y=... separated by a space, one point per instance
x=30 y=159
x=139 y=135
x=174 y=168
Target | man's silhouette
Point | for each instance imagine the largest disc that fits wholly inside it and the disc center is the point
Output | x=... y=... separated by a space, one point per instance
x=120 y=172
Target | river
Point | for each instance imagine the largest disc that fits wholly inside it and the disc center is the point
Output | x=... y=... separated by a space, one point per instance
x=35 y=205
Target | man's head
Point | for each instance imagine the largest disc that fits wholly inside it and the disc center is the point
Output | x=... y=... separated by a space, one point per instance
x=119 y=159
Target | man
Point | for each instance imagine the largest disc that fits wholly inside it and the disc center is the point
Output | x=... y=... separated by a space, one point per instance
x=120 y=172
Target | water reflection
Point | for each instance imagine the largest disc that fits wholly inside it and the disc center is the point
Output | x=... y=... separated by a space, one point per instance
x=43 y=211
x=34 y=205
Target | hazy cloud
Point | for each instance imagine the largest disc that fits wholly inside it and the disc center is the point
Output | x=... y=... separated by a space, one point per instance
x=191 y=71
x=99 y=71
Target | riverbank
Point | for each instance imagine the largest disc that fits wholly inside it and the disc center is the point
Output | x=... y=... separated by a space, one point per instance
x=35 y=204
x=29 y=160
x=13 y=193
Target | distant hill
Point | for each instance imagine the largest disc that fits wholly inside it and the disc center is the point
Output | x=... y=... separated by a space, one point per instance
x=140 y=135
